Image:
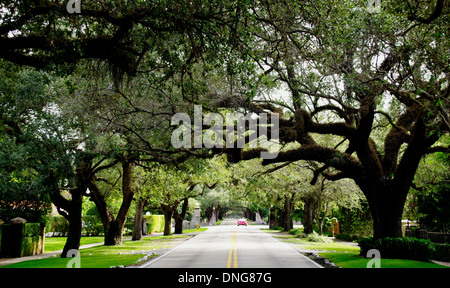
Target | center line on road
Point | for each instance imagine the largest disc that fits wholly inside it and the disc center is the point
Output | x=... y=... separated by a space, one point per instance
x=232 y=253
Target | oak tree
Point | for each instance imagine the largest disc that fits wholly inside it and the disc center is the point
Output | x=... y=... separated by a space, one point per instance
x=338 y=59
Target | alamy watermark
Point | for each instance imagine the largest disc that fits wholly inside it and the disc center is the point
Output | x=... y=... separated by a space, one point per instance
x=75 y=262
x=235 y=135
x=374 y=6
x=74 y=6
x=375 y=262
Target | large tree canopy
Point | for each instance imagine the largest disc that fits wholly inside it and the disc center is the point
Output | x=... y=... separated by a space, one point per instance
x=24 y=170
x=363 y=71
x=126 y=34
x=350 y=72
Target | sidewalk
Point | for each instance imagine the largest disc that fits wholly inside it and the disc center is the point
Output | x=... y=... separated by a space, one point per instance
x=8 y=261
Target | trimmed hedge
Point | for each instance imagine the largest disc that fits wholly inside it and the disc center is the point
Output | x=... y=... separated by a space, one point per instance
x=399 y=248
x=92 y=226
x=32 y=239
x=59 y=226
x=155 y=223
x=347 y=237
x=442 y=252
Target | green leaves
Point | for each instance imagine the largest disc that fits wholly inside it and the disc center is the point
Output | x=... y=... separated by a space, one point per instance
x=34 y=157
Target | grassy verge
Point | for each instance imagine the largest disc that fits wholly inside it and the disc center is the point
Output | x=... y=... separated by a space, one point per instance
x=328 y=247
x=194 y=230
x=129 y=253
x=91 y=261
x=57 y=243
x=347 y=256
x=352 y=260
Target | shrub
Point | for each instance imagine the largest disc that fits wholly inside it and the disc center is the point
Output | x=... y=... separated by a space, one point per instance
x=32 y=239
x=59 y=226
x=127 y=229
x=356 y=221
x=277 y=228
x=314 y=237
x=399 y=248
x=32 y=229
x=347 y=237
x=92 y=225
x=155 y=223
x=296 y=231
x=441 y=253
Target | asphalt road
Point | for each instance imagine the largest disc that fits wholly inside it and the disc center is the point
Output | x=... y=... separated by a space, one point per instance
x=230 y=246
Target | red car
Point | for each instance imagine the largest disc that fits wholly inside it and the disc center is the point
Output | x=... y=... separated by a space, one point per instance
x=242 y=222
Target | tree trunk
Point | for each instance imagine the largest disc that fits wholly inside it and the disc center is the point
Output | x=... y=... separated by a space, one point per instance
x=219 y=212
x=178 y=225
x=249 y=215
x=71 y=209
x=308 y=216
x=272 y=218
x=113 y=233
x=320 y=221
x=75 y=225
x=138 y=220
x=168 y=213
x=387 y=218
x=387 y=224
x=179 y=217
x=105 y=215
x=213 y=219
x=387 y=196
x=287 y=219
x=113 y=226
x=386 y=202
x=281 y=217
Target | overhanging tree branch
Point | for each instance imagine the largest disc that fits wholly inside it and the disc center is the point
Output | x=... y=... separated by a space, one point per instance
x=436 y=14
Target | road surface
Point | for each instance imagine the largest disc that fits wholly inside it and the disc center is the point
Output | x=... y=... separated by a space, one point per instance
x=230 y=246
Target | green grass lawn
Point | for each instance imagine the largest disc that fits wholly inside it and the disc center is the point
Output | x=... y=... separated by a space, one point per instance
x=57 y=243
x=347 y=256
x=352 y=260
x=105 y=256
x=129 y=246
x=186 y=231
x=336 y=246
x=86 y=261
